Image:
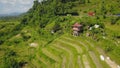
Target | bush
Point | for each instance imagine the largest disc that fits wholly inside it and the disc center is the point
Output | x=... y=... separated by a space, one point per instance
x=109 y=48
x=26 y=37
x=14 y=41
x=56 y=27
x=114 y=20
x=9 y=60
x=1 y=42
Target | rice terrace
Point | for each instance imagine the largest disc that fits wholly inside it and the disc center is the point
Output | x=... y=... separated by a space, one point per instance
x=60 y=34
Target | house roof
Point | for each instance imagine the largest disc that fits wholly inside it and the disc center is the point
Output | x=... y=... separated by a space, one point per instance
x=91 y=13
x=77 y=25
x=76 y=29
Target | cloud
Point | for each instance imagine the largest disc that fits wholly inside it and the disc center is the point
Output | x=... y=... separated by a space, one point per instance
x=3 y=1
x=25 y=1
x=11 y=6
x=8 y=1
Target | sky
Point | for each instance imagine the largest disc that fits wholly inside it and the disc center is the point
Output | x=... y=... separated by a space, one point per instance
x=15 y=6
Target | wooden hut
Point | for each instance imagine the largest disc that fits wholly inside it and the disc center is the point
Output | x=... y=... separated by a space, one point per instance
x=76 y=29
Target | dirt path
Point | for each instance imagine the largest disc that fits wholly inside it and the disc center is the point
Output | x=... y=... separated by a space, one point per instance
x=58 y=50
x=57 y=65
x=80 y=42
x=43 y=60
x=95 y=59
x=77 y=47
x=51 y=55
x=71 y=56
x=35 y=64
x=64 y=59
x=86 y=62
x=80 y=62
x=64 y=62
x=111 y=63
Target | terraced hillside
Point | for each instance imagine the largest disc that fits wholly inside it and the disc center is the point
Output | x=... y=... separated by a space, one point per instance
x=71 y=52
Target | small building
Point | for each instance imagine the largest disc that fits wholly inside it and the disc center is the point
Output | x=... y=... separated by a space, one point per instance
x=96 y=26
x=76 y=29
x=91 y=13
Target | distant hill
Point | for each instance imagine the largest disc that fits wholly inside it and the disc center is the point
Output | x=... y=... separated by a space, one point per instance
x=10 y=14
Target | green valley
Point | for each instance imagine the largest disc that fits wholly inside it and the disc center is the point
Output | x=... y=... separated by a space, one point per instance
x=62 y=34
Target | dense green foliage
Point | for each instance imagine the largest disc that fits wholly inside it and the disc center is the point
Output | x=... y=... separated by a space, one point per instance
x=9 y=60
x=42 y=12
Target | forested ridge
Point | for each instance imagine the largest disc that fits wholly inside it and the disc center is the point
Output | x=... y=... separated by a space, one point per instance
x=42 y=12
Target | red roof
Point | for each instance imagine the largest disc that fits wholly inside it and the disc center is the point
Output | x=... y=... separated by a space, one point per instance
x=77 y=25
x=91 y=13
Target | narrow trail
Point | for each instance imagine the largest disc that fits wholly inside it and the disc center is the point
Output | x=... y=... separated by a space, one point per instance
x=51 y=55
x=78 y=41
x=78 y=48
x=80 y=62
x=57 y=65
x=35 y=64
x=111 y=63
x=64 y=59
x=64 y=62
x=95 y=60
x=71 y=56
x=43 y=60
x=86 y=62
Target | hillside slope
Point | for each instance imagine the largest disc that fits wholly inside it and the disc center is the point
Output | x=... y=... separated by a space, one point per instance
x=43 y=38
x=68 y=51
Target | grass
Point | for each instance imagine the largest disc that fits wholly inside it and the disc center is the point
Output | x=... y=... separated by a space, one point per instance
x=66 y=51
x=71 y=56
x=51 y=55
x=91 y=47
x=64 y=47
